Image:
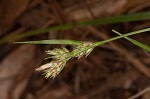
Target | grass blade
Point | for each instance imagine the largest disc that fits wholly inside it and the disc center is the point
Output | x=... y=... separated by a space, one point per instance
x=66 y=42
x=101 y=21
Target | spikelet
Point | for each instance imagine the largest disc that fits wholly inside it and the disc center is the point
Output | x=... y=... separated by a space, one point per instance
x=61 y=56
x=81 y=48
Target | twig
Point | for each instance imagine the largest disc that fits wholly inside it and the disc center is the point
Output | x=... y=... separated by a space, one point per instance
x=140 y=93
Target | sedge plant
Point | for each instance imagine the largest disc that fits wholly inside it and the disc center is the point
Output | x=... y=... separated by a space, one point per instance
x=60 y=56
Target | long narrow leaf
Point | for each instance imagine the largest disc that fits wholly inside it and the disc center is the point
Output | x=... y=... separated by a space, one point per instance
x=101 y=21
x=139 y=44
x=67 y=42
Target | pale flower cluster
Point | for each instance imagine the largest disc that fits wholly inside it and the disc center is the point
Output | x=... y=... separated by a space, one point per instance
x=61 y=56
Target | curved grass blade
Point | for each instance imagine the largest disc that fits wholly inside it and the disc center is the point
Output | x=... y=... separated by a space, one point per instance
x=139 y=44
x=101 y=21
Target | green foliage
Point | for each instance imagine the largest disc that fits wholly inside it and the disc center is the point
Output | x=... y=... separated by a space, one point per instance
x=81 y=48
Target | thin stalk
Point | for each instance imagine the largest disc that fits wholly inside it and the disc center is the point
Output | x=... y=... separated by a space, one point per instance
x=139 y=44
x=121 y=36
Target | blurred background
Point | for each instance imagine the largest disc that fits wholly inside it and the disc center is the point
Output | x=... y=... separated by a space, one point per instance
x=117 y=70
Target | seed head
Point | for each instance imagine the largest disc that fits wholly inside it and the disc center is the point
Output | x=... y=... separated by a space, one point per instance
x=81 y=49
x=58 y=54
x=61 y=56
x=53 y=68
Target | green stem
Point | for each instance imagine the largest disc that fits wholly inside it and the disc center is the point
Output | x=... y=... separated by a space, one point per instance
x=139 y=44
x=109 y=40
x=121 y=36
